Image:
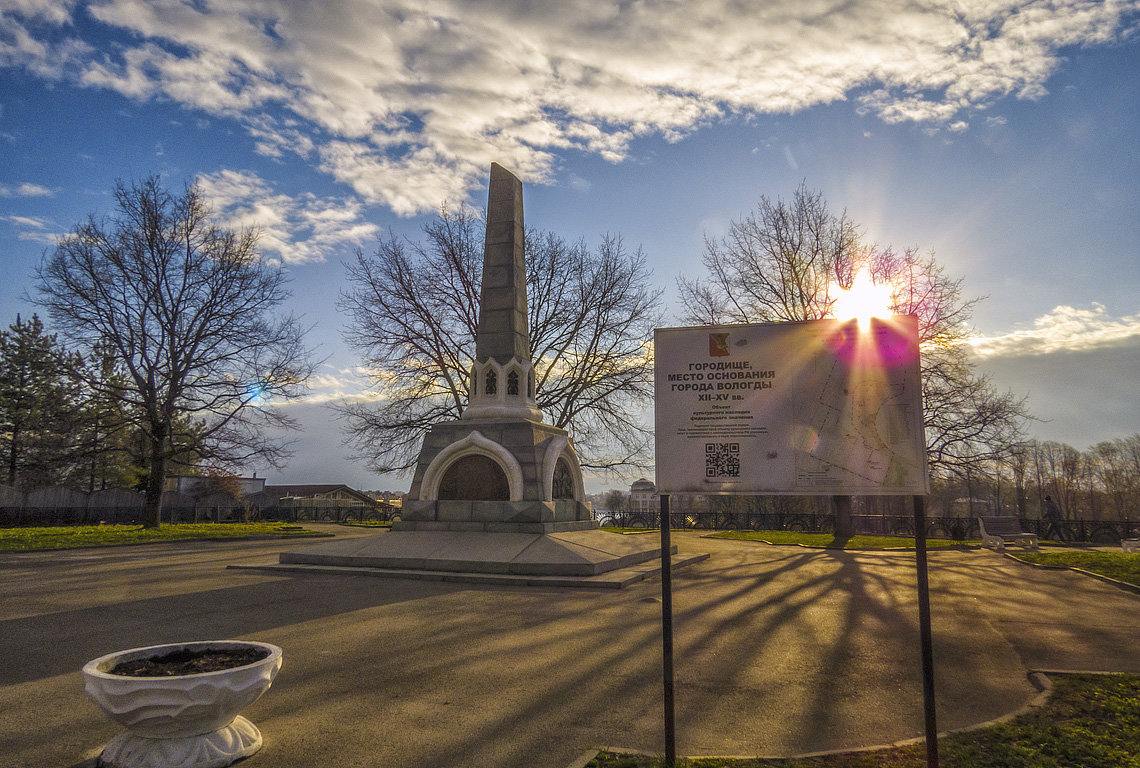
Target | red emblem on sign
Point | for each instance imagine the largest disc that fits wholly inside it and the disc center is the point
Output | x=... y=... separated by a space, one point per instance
x=718 y=345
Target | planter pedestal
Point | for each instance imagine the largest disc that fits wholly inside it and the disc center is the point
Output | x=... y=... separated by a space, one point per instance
x=181 y=721
x=215 y=749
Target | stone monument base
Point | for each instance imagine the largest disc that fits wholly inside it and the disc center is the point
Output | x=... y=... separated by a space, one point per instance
x=563 y=553
x=496 y=516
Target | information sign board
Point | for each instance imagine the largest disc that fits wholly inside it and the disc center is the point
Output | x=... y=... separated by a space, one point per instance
x=817 y=407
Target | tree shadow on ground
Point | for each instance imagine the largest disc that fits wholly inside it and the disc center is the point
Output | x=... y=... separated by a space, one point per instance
x=778 y=649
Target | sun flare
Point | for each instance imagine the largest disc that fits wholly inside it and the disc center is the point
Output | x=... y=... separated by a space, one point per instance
x=863 y=301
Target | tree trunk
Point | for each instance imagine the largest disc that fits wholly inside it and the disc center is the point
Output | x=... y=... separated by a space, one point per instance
x=844 y=527
x=152 y=517
x=12 y=453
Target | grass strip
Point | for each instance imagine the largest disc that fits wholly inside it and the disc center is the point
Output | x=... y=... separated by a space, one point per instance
x=1089 y=721
x=1121 y=566
x=25 y=539
x=831 y=541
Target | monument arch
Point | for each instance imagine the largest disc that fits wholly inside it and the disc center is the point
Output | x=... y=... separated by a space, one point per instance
x=448 y=459
x=561 y=472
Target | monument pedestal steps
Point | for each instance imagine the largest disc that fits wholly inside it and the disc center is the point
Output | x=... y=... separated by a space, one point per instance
x=590 y=558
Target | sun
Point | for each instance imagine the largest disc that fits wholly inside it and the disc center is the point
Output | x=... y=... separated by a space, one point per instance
x=863 y=301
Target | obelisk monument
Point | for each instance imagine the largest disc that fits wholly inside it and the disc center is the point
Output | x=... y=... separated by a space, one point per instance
x=503 y=335
x=499 y=468
x=496 y=491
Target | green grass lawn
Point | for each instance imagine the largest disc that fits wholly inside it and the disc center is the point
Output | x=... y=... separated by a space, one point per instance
x=829 y=541
x=1115 y=565
x=1090 y=721
x=68 y=536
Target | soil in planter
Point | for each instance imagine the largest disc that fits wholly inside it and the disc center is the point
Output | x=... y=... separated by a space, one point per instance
x=186 y=662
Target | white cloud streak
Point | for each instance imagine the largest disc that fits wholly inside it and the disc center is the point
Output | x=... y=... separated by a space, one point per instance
x=34 y=229
x=1064 y=329
x=333 y=386
x=407 y=102
x=25 y=189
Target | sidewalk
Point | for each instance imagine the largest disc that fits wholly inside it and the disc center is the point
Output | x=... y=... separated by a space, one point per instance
x=778 y=651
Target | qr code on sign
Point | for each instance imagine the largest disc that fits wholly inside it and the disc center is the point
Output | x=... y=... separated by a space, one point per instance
x=722 y=459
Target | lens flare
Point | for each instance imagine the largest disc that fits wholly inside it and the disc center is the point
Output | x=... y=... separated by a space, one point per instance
x=257 y=393
x=888 y=342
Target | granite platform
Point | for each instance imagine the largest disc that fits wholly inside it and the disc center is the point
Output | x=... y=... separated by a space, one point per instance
x=567 y=558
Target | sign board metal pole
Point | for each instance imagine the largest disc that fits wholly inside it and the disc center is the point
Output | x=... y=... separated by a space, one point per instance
x=667 y=633
x=931 y=726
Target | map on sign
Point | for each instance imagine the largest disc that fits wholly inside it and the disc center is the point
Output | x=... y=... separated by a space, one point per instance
x=818 y=407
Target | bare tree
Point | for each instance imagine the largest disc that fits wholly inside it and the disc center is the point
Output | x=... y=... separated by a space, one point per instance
x=1017 y=460
x=781 y=262
x=188 y=310
x=786 y=262
x=413 y=312
x=617 y=503
x=1116 y=464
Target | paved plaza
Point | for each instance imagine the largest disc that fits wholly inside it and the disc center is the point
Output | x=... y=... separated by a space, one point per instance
x=780 y=650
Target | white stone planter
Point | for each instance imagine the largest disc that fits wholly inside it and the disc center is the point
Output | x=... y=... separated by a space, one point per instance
x=183 y=721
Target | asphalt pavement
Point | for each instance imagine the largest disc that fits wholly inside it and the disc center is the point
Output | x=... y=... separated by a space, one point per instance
x=779 y=651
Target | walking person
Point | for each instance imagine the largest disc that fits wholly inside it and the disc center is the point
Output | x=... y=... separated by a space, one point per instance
x=1053 y=520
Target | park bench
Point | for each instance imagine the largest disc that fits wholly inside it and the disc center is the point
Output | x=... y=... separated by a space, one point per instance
x=996 y=531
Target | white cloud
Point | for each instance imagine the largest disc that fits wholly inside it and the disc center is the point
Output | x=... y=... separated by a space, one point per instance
x=1082 y=396
x=19 y=47
x=331 y=386
x=35 y=236
x=25 y=189
x=578 y=184
x=34 y=229
x=407 y=101
x=34 y=222
x=54 y=11
x=294 y=229
x=1063 y=329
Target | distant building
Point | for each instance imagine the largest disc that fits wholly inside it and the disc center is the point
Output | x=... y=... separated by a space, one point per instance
x=966 y=506
x=643 y=498
x=338 y=491
x=395 y=498
x=190 y=484
x=315 y=500
x=318 y=497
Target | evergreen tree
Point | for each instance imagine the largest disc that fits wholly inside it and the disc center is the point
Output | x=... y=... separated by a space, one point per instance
x=38 y=406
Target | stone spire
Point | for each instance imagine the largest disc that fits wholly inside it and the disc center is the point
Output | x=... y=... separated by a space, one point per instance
x=502 y=379
x=503 y=330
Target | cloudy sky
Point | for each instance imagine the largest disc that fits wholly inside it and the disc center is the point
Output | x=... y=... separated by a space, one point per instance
x=1002 y=134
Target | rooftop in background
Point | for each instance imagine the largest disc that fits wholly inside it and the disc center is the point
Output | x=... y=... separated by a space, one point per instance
x=321 y=491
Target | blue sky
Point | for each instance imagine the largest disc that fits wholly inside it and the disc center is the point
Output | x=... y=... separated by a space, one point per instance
x=1001 y=134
